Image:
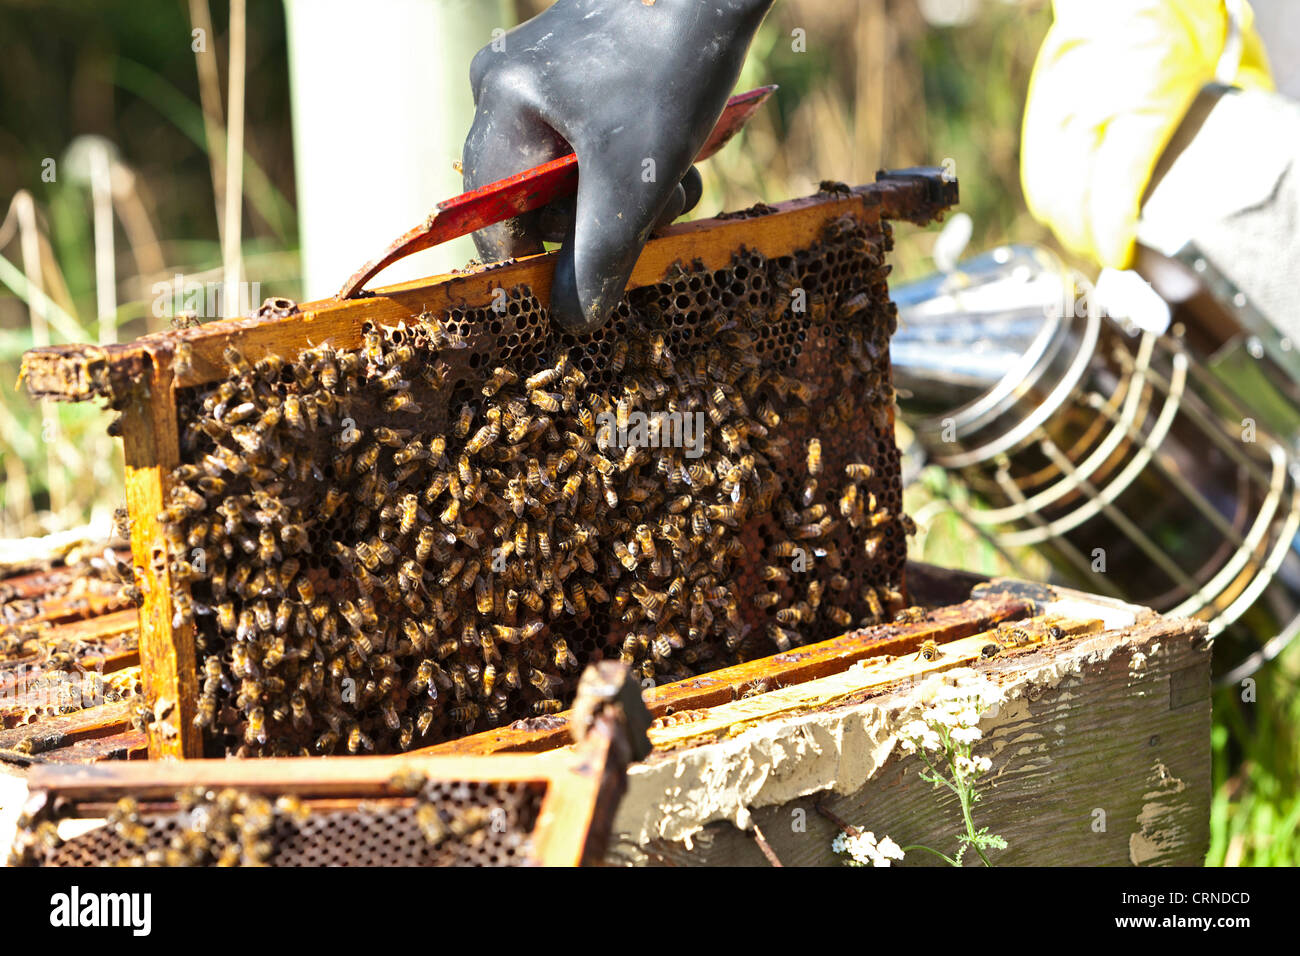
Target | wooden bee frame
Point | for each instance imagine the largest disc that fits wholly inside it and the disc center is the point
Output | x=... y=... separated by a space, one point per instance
x=576 y=794
x=99 y=634
x=142 y=380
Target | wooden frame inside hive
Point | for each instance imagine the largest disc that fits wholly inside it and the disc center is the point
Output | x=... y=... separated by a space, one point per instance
x=70 y=664
x=364 y=811
x=140 y=379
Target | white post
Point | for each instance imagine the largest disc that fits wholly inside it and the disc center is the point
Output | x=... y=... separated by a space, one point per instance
x=381 y=106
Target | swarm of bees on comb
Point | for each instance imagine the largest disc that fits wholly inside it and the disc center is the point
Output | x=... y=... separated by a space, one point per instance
x=444 y=823
x=434 y=533
x=94 y=583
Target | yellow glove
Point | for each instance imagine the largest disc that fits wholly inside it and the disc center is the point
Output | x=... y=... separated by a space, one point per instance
x=1112 y=82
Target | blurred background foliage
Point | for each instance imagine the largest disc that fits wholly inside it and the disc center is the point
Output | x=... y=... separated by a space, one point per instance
x=863 y=86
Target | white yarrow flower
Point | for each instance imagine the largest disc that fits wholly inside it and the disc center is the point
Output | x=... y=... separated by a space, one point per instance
x=965 y=735
x=864 y=849
x=937 y=717
x=888 y=848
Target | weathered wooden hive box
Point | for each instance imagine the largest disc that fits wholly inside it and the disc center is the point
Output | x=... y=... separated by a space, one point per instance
x=1100 y=747
x=405 y=523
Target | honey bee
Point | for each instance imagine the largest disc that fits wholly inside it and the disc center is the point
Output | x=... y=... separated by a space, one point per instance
x=929 y=651
x=871 y=544
x=625 y=556
x=255 y=731
x=547 y=706
x=562 y=656
x=839 y=616
x=1017 y=636
x=235 y=359
x=858 y=471
x=293 y=411
x=547 y=401
x=873 y=602
x=183 y=359
x=483 y=438
x=358 y=740
x=432 y=827
x=226 y=616
x=990 y=650
x=372 y=346
x=393 y=438
x=727 y=514
x=464 y=421
x=295 y=537
x=206 y=713
x=392 y=381
x=436 y=373
x=782 y=638
x=790 y=615
x=544 y=378
x=438 y=450
x=465 y=713
x=814 y=456
x=910 y=615
x=451 y=514
x=401 y=402
x=298 y=707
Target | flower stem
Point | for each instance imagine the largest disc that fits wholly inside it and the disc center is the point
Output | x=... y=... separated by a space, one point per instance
x=943 y=856
x=972 y=840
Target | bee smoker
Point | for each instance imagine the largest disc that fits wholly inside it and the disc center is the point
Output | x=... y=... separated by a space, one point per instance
x=1137 y=466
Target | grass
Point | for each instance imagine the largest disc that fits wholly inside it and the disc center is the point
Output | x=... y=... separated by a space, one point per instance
x=1255 y=814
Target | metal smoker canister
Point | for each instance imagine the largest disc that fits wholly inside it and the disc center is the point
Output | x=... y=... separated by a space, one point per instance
x=1133 y=465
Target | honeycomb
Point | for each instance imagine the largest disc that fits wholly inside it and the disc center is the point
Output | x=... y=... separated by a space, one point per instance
x=434 y=533
x=443 y=824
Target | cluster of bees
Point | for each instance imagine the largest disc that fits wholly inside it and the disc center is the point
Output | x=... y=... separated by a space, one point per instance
x=431 y=534
x=55 y=692
x=91 y=580
x=227 y=827
x=472 y=823
x=455 y=823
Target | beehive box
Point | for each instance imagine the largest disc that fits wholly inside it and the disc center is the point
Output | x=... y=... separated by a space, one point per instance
x=1100 y=754
x=415 y=484
x=1100 y=749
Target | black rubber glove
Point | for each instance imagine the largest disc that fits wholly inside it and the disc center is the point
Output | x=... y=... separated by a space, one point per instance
x=634 y=87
